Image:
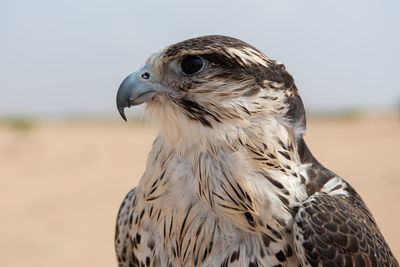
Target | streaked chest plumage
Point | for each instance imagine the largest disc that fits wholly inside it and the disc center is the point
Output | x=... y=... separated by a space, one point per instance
x=212 y=209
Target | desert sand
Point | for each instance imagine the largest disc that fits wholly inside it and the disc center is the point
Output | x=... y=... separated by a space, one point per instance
x=61 y=183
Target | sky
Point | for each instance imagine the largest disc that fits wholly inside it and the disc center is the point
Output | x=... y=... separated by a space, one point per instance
x=68 y=57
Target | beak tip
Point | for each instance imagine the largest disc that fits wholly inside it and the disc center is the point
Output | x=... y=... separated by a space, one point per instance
x=122 y=113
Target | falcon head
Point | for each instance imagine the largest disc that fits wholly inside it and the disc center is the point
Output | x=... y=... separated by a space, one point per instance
x=213 y=85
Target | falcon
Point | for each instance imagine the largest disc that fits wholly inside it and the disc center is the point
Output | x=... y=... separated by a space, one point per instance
x=229 y=180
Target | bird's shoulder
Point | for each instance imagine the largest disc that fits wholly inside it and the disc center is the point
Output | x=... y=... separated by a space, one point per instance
x=123 y=244
x=334 y=227
x=133 y=245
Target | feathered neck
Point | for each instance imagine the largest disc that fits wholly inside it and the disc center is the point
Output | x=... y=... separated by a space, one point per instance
x=186 y=136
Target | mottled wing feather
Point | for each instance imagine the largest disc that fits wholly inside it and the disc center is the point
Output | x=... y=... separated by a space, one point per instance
x=123 y=243
x=133 y=246
x=337 y=230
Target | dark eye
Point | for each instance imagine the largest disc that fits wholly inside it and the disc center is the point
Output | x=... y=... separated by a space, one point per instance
x=192 y=64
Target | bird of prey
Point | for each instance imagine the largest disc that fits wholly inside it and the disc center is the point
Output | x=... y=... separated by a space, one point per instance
x=229 y=180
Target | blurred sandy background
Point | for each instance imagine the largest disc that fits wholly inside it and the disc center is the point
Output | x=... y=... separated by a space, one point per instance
x=62 y=182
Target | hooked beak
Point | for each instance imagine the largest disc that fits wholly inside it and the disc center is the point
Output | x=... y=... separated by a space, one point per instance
x=136 y=89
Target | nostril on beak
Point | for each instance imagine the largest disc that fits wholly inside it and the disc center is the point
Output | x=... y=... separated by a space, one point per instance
x=146 y=75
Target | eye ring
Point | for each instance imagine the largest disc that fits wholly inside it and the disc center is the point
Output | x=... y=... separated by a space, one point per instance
x=192 y=64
